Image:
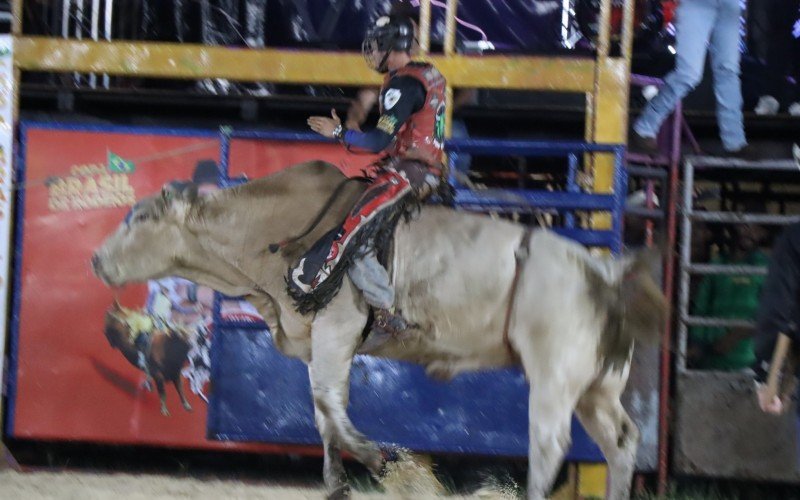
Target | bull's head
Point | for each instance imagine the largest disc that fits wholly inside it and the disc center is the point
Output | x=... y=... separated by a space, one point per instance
x=114 y=328
x=148 y=243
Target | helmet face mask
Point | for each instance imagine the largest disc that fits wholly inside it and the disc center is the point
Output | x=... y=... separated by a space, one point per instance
x=373 y=55
x=388 y=34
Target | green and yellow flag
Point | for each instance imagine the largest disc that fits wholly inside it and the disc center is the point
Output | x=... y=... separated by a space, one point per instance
x=119 y=165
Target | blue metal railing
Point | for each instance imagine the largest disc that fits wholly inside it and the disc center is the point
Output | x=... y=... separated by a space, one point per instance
x=520 y=200
x=511 y=200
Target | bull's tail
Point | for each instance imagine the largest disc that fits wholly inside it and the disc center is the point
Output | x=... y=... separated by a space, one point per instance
x=643 y=302
x=636 y=308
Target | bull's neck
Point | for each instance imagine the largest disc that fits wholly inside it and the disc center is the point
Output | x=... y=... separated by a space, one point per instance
x=238 y=225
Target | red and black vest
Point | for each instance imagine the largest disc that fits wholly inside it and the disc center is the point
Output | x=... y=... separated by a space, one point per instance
x=421 y=137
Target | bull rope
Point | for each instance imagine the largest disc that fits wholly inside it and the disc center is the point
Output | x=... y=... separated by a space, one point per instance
x=274 y=247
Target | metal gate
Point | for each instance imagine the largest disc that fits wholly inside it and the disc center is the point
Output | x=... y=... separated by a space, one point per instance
x=719 y=429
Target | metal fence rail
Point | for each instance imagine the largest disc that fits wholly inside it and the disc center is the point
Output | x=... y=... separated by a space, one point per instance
x=693 y=164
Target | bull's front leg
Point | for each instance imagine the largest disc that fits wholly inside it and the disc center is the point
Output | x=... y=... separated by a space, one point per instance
x=335 y=335
x=333 y=469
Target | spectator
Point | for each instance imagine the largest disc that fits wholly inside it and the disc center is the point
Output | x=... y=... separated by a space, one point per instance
x=701 y=23
x=779 y=310
x=704 y=238
x=726 y=296
x=772 y=22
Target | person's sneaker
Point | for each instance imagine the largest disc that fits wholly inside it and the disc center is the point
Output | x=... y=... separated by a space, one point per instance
x=794 y=109
x=767 y=106
x=640 y=144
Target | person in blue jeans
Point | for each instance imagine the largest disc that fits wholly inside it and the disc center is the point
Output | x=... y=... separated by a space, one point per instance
x=701 y=26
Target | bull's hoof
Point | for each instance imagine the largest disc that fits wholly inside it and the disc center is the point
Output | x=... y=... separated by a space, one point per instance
x=164 y=411
x=340 y=493
x=187 y=407
x=388 y=456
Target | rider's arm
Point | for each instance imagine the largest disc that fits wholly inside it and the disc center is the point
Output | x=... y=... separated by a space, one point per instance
x=404 y=96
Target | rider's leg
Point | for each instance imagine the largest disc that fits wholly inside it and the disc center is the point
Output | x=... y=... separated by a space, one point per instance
x=369 y=276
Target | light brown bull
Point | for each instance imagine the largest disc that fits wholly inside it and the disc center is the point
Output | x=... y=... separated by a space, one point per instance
x=572 y=329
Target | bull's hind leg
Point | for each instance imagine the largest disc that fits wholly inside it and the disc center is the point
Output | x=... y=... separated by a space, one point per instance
x=602 y=415
x=549 y=418
x=550 y=406
x=557 y=372
x=178 y=382
x=162 y=395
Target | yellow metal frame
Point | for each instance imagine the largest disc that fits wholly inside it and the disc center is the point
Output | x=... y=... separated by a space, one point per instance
x=189 y=61
x=603 y=79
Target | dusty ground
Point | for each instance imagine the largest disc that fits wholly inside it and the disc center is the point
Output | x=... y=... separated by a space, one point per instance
x=92 y=486
x=76 y=471
x=82 y=485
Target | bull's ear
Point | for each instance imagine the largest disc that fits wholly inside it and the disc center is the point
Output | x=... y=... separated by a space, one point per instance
x=168 y=193
x=179 y=190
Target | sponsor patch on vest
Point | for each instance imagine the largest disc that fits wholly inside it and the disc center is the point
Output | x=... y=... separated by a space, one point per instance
x=388 y=124
x=390 y=98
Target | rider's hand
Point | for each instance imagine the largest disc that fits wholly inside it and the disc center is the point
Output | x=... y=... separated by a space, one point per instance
x=323 y=125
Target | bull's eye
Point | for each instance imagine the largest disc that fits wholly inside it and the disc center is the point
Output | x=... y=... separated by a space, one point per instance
x=141 y=217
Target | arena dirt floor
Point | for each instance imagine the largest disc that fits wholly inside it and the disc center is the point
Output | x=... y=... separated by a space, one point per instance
x=90 y=486
x=75 y=473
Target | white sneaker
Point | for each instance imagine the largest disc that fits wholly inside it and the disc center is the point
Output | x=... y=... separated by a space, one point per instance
x=767 y=106
x=794 y=109
x=649 y=92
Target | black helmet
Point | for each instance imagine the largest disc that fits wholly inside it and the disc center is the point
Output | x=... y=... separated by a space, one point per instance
x=389 y=33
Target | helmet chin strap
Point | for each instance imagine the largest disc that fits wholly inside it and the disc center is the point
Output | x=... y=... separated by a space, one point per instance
x=382 y=67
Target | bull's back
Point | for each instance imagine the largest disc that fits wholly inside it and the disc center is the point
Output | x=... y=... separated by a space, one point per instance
x=454 y=270
x=454 y=275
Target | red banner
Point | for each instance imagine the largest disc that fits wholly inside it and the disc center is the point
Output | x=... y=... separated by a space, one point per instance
x=72 y=380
